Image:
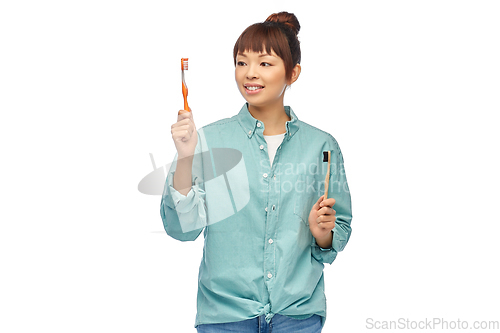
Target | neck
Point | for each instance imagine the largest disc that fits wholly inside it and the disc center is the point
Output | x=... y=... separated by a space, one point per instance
x=274 y=117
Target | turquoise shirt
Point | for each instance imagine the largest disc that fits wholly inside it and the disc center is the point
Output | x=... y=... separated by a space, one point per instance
x=259 y=256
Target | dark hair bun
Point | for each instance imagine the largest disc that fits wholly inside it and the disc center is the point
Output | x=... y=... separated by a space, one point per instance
x=286 y=18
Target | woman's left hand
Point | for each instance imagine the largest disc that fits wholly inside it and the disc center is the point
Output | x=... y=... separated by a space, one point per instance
x=322 y=218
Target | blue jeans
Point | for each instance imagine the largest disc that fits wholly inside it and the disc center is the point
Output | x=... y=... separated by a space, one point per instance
x=278 y=324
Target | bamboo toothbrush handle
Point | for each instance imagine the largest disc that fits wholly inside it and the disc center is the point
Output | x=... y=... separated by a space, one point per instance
x=327 y=178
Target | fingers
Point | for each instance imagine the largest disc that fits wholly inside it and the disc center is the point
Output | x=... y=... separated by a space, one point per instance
x=324 y=206
x=328 y=202
x=182 y=135
x=326 y=221
x=183 y=129
x=326 y=225
x=328 y=216
x=317 y=204
x=183 y=114
x=326 y=211
x=183 y=122
x=184 y=118
x=184 y=111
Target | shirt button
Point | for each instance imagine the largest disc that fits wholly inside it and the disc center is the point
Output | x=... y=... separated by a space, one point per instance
x=274 y=177
x=274 y=207
x=261 y=147
x=265 y=209
x=249 y=132
x=269 y=275
x=265 y=175
x=258 y=124
x=270 y=240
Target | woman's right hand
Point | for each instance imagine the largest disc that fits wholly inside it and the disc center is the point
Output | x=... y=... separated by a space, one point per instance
x=184 y=134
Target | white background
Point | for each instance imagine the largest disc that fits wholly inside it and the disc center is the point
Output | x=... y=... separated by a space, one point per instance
x=89 y=88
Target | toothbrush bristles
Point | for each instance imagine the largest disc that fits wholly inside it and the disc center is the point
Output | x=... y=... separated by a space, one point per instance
x=184 y=64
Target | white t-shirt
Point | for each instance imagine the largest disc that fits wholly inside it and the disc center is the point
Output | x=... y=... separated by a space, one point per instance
x=273 y=142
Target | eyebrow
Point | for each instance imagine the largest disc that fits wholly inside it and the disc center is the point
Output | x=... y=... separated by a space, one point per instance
x=260 y=55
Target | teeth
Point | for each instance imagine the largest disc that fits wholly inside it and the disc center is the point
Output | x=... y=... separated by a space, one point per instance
x=253 y=88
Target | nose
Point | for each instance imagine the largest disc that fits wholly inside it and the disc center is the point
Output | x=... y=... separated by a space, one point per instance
x=252 y=73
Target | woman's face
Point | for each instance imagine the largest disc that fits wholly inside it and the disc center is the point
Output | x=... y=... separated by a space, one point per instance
x=260 y=78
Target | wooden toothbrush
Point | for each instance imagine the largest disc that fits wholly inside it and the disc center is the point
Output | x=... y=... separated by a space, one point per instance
x=326 y=158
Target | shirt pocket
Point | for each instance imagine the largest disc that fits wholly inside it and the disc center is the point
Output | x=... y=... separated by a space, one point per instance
x=307 y=190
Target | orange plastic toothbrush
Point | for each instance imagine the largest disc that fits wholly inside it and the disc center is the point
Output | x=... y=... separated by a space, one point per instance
x=326 y=158
x=184 y=67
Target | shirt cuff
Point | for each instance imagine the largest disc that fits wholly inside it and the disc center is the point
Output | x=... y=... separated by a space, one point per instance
x=323 y=255
x=184 y=203
x=339 y=239
x=176 y=200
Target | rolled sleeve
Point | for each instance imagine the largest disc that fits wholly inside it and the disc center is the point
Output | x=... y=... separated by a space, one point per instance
x=184 y=216
x=325 y=256
x=190 y=208
x=339 y=190
x=184 y=203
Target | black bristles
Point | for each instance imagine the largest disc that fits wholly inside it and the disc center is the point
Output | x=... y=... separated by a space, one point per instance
x=325 y=156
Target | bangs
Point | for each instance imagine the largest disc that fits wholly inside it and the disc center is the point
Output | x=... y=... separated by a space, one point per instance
x=267 y=37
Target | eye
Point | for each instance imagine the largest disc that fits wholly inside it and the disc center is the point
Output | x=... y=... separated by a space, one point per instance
x=240 y=63
x=265 y=64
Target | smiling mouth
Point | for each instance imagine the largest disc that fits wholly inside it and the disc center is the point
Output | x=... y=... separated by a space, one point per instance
x=253 y=88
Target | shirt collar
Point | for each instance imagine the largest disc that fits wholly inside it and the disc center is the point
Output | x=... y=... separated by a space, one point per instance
x=249 y=123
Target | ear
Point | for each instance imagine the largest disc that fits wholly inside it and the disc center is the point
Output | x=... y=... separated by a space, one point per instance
x=295 y=73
